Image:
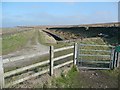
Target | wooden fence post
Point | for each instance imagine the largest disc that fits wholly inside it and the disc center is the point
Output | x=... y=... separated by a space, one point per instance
x=117 y=58
x=118 y=64
x=1 y=74
x=75 y=54
x=112 y=59
x=51 y=60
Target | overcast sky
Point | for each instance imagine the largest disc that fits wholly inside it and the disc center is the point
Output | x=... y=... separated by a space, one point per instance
x=58 y=13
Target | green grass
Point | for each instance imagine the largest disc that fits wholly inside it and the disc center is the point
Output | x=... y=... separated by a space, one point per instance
x=68 y=80
x=11 y=43
x=45 y=39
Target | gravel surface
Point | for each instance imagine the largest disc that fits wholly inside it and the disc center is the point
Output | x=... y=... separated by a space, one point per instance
x=97 y=79
x=28 y=50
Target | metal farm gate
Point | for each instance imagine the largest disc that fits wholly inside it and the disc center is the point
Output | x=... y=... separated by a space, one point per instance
x=95 y=56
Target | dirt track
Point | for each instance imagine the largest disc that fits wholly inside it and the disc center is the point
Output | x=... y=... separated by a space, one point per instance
x=29 y=49
x=97 y=79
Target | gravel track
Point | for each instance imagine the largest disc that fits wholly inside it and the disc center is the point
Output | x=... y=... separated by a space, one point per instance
x=28 y=49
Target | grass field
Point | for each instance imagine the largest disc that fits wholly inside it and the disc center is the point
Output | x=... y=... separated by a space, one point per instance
x=11 y=43
x=45 y=39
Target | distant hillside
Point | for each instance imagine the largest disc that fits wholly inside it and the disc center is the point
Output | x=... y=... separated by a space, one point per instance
x=113 y=24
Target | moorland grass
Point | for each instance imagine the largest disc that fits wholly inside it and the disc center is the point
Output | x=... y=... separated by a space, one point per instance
x=11 y=43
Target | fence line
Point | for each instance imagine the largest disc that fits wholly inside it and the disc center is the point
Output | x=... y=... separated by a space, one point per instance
x=26 y=78
x=25 y=68
x=94 y=55
x=7 y=60
x=64 y=48
x=94 y=68
x=96 y=50
x=95 y=61
x=51 y=60
x=66 y=63
x=50 y=70
x=75 y=53
x=96 y=45
x=114 y=63
x=61 y=57
x=114 y=57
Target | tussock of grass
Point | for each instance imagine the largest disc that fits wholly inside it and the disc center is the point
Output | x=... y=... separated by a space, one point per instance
x=68 y=80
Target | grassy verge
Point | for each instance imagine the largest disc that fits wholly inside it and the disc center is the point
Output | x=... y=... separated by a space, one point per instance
x=45 y=39
x=68 y=80
x=11 y=43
